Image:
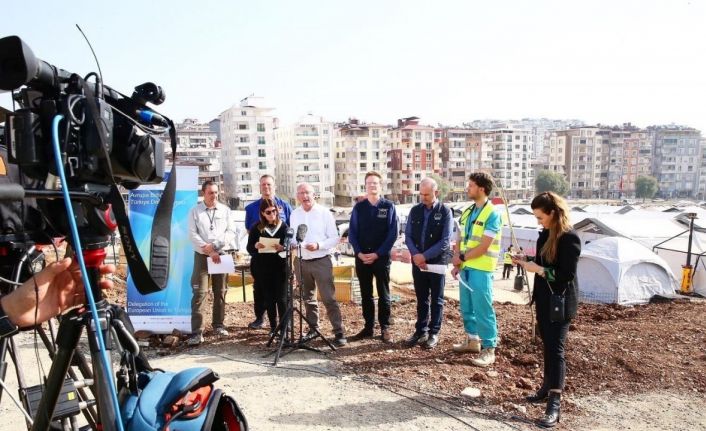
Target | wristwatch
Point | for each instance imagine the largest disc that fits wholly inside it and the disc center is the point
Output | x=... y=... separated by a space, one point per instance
x=7 y=328
x=462 y=256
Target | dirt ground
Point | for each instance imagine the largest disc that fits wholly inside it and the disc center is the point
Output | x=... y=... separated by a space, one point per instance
x=612 y=351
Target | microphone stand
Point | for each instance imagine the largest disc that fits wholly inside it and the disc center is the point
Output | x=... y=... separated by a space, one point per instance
x=286 y=320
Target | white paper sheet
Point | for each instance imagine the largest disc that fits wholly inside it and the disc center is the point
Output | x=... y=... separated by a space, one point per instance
x=435 y=268
x=269 y=244
x=226 y=266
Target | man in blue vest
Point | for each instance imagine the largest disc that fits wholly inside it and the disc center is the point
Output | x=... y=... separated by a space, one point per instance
x=252 y=217
x=372 y=233
x=475 y=258
x=427 y=236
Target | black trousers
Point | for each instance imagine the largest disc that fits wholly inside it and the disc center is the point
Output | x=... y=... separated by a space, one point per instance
x=271 y=281
x=507 y=270
x=258 y=292
x=554 y=338
x=380 y=269
x=429 y=288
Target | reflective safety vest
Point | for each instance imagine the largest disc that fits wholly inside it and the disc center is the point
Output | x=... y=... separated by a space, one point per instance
x=489 y=260
x=507 y=258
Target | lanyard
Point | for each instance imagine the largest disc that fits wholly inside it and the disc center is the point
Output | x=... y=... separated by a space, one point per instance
x=469 y=226
x=211 y=217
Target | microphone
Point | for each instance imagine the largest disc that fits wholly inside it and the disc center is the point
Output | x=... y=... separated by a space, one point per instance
x=152 y=118
x=301 y=232
x=288 y=238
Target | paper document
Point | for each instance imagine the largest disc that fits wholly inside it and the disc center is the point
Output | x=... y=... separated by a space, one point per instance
x=225 y=267
x=269 y=244
x=435 y=268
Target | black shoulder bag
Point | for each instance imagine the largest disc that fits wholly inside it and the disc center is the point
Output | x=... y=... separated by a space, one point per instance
x=557 y=307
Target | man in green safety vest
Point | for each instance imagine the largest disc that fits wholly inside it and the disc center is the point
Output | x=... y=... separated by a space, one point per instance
x=475 y=258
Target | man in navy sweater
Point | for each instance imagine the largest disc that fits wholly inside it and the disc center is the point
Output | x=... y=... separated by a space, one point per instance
x=372 y=232
x=428 y=237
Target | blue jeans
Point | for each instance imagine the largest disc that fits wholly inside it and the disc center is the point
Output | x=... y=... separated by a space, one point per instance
x=476 y=298
x=429 y=288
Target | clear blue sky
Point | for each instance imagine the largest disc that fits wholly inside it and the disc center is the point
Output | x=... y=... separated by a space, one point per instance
x=445 y=61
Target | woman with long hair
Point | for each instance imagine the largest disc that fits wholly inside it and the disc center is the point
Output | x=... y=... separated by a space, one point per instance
x=555 y=295
x=267 y=266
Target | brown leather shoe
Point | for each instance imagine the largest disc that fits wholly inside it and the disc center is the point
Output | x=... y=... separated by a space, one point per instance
x=387 y=336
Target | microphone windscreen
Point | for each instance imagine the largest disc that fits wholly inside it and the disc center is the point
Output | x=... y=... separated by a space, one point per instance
x=301 y=232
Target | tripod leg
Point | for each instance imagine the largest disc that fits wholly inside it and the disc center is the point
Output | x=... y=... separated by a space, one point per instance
x=318 y=333
x=69 y=334
x=284 y=323
x=78 y=360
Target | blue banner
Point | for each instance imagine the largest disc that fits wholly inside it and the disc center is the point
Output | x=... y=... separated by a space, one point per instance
x=170 y=309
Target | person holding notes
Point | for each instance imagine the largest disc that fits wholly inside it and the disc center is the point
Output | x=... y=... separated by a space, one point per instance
x=268 y=265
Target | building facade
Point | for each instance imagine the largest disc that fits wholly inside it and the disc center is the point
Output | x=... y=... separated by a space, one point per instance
x=677 y=160
x=247 y=132
x=304 y=154
x=358 y=149
x=413 y=154
x=198 y=145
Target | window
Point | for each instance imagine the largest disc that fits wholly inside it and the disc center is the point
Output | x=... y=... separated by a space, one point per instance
x=261 y=153
x=243 y=113
x=306 y=168
x=260 y=140
x=242 y=126
x=263 y=166
x=260 y=127
x=417 y=135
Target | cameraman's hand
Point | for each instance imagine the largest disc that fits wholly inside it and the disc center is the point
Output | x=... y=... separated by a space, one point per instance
x=59 y=287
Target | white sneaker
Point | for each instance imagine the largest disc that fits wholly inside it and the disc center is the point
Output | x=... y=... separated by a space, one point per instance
x=220 y=331
x=486 y=358
x=195 y=339
x=470 y=344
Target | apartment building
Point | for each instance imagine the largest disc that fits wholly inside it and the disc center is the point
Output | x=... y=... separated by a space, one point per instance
x=676 y=161
x=413 y=154
x=629 y=156
x=586 y=154
x=305 y=154
x=358 y=149
x=197 y=145
x=247 y=132
x=457 y=160
x=512 y=161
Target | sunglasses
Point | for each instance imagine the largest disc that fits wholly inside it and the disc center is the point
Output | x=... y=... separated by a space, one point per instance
x=268 y=212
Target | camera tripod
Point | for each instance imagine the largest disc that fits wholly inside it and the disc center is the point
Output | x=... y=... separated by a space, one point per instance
x=113 y=320
x=285 y=327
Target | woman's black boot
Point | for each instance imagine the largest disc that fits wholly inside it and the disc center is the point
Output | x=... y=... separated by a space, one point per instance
x=538 y=396
x=553 y=412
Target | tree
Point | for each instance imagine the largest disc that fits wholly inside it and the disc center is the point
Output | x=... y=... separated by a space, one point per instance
x=548 y=181
x=444 y=185
x=646 y=187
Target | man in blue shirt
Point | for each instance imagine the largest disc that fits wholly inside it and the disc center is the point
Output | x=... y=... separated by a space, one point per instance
x=427 y=236
x=372 y=232
x=252 y=217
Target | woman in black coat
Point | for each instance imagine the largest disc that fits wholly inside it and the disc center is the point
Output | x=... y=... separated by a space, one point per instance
x=269 y=268
x=558 y=250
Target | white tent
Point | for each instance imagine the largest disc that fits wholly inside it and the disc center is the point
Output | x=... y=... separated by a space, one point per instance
x=620 y=270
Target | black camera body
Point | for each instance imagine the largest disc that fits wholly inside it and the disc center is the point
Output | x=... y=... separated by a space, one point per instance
x=105 y=137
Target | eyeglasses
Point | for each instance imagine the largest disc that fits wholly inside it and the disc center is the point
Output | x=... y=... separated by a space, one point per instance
x=268 y=212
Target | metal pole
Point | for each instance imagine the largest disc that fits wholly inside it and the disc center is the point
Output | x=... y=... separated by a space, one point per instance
x=687 y=270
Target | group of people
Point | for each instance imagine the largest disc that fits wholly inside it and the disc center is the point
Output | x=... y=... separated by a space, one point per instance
x=373 y=230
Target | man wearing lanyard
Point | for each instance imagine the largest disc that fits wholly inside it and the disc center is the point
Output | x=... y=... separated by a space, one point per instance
x=372 y=233
x=211 y=229
x=316 y=267
x=427 y=236
x=252 y=217
x=475 y=258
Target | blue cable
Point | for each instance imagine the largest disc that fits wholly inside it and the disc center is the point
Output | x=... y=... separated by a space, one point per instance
x=84 y=273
